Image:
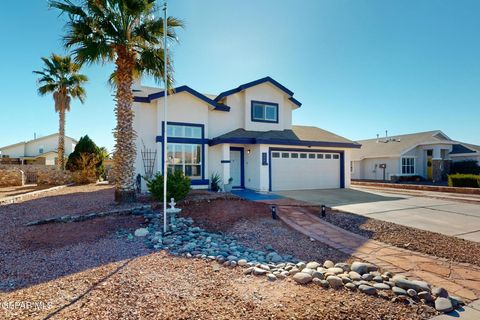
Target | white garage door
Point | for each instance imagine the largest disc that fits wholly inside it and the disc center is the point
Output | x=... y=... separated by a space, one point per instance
x=305 y=170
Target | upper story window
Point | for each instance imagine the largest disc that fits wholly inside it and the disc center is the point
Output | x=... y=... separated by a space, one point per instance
x=264 y=111
x=408 y=165
x=184 y=131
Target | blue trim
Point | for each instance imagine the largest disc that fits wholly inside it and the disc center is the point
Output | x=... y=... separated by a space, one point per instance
x=342 y=162
x=242 y=166
x=257 y=82
x=157 y=95
x=201 y=141
x=225 y=161
x=295 y=101
x=200 y=182
x=287 y=142
x=267 y=104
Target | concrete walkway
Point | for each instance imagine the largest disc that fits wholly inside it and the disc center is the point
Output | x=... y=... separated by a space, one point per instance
x=446 y=216
x=459 y=279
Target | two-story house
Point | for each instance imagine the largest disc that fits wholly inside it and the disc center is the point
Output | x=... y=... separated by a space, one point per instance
x=245 y=134
x=41 y=150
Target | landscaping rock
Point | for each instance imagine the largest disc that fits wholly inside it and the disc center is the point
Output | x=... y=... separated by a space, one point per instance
x=412 y=293
x=362 y=267
x=399 y=291
x=367 y=277
x=439 y=292
x=335 y=282
x=411 y=284
x=302 y=278
x=456 y=301
x=324 y=284
x=141 y=232
x=328 y=264
x=355 y=276
x=443 y=305
x=271 y=277
x=334 y=270
x=309 y=271
x=381 y=286
x=242 y=262
x=344 y=266
x=378 y=279
x=425 y=296
x=313 y=265
x=367 y=289
x=259 y=271
x=350 y=286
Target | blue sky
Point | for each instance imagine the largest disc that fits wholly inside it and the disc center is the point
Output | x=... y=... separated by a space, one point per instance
x=358 y=67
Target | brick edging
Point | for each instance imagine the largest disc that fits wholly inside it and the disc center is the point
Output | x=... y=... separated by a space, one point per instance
x=417 y=187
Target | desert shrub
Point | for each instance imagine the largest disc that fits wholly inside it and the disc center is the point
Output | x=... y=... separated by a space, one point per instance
x=466 y=167
x=86 y=168
x=215 y=181
x=178 y=186
x=464 y=180
x=86 y=146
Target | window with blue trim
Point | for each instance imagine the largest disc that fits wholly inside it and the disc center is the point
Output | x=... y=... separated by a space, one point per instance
x=186 y=158
x=264 y=111
x=184 y=131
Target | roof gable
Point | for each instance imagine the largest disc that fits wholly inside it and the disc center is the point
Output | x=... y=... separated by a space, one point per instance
x=257 y=82
x=204 y=98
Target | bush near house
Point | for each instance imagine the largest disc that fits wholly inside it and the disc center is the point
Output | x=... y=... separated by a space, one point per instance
x=85 y=154
x=178 y=186
x=464 y=180
x=466 y=167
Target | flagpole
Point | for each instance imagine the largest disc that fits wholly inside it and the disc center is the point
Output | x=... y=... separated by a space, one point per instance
x=165 y=141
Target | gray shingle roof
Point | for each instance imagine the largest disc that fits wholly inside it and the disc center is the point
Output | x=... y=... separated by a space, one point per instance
x=298 y=135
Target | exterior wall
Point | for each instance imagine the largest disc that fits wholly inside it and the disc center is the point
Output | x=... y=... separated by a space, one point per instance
x=356 y=166
x=369 y=169
x=14 y=151
x=223 y=122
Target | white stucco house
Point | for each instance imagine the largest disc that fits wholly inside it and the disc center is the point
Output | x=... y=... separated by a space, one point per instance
x=245 y=133
x=42 y=150
x=426 y=154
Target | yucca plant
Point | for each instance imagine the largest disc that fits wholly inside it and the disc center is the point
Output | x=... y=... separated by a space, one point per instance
x=60 y=76
x=128 y=33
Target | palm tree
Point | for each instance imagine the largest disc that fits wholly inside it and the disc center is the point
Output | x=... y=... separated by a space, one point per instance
x=128 y=33
x=60 y=76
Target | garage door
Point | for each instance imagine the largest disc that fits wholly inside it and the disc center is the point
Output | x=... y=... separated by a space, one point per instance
x=305 y=170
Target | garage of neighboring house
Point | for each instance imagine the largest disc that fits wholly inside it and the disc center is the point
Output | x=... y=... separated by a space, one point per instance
x=292 y=169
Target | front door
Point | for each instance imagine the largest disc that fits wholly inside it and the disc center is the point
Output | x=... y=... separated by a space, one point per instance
x=236 y=167
x=429 y=164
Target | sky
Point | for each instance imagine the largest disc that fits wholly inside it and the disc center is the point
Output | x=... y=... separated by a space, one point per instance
x=359 y=67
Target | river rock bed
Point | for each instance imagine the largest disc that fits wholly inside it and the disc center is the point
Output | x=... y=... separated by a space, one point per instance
x=186 y=240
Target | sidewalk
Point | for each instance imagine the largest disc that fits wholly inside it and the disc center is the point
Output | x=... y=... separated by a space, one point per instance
x=458 y=278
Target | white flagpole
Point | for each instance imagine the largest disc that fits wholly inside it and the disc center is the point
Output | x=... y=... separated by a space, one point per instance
x=165 y=81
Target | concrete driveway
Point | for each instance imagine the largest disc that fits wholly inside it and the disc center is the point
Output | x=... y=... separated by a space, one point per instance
x=449 y=217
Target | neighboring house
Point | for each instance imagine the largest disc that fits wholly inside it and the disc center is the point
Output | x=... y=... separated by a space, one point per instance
x=245 y=134
x=426 y=154
x=41 y=150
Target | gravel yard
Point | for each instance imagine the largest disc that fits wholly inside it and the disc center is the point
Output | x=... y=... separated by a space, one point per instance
x=89 y=269
x=252 y=225
x=432 y=243
x=158 y=286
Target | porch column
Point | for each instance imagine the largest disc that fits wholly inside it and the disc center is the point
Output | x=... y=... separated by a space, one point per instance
x=225 y=162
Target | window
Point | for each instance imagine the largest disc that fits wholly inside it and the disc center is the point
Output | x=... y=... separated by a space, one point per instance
x=320 y=156
x=335 y=156
x=275 y=155
x=408 y=165
x=303 y=155
x=186 y=158
x=311 y=156
x=285 y=155
x=328 y=156
x=352 y=167
x=295 y=155
x=40 y=150
x=184 y=131
x=264 y=112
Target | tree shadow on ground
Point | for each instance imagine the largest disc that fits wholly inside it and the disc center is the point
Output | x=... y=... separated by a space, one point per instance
x=37 y=254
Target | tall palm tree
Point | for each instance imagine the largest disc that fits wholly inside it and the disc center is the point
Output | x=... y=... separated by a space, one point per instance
x=128 y=33
x=60 y=76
